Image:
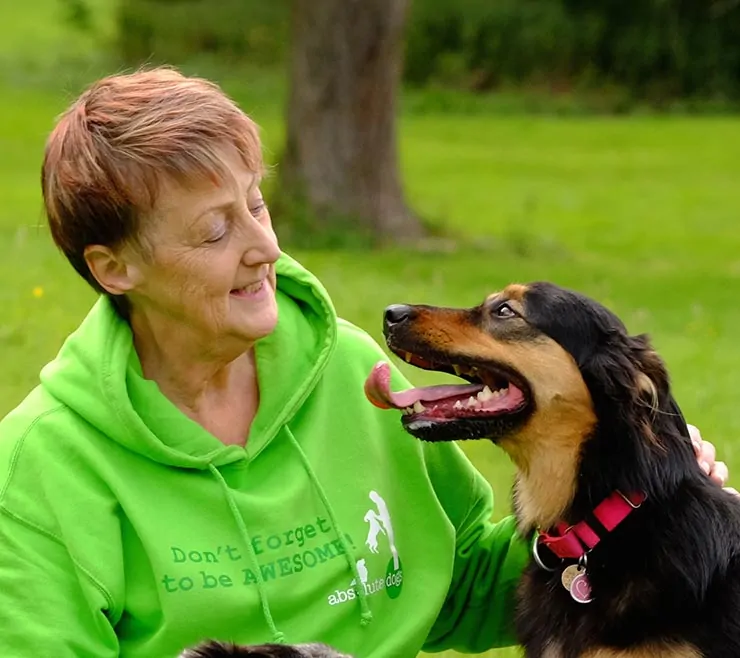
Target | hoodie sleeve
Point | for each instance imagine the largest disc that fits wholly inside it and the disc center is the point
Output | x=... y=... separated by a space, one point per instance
x=478 y=613
x=47 y=604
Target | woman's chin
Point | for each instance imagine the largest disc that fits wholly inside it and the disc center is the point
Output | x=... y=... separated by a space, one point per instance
x=257 y=326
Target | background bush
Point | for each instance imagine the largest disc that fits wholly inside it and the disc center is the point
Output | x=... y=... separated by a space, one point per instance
x=653 y=50
x=657 y=49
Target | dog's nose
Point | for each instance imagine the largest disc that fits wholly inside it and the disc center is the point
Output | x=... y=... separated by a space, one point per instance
x=397 y=313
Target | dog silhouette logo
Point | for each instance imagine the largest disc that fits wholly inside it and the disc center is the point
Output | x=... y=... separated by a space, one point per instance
x=380 y=524
x=379 y=520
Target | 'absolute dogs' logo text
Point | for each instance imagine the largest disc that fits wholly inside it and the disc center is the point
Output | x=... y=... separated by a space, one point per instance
x=379 y=523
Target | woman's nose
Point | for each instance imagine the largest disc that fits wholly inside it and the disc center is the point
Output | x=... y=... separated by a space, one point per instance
x=261 y=243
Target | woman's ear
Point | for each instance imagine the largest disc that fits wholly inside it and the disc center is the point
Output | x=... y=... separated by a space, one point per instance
x=112 y=269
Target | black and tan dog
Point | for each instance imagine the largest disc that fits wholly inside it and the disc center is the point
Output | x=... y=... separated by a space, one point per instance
x=637 y=552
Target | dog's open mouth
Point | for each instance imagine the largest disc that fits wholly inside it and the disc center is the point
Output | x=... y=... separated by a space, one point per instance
x=494 y=401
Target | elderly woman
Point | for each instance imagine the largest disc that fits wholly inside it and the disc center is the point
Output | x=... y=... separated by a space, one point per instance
x=200 y=461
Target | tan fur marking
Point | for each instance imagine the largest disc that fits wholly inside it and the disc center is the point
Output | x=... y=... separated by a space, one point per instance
x=515 y=291
x=646 y=385
x=647 y=651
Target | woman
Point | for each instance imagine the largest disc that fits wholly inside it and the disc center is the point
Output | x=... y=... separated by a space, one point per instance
x=199 y=461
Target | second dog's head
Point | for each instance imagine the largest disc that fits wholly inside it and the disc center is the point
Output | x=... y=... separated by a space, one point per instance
x=214 y=649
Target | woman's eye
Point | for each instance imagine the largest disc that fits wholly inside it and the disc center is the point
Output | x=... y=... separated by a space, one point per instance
x=505 y=311
x=257 y=210
x=217 y=235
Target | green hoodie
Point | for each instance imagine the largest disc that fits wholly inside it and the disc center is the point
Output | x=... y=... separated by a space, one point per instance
x=128 y=530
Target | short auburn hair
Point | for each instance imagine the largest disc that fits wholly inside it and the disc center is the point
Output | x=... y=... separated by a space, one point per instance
x=110 y=150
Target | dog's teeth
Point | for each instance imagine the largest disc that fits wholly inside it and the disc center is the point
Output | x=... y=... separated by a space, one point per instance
x=407 y=356
x=419 y=407
x=458 y=370
x=472 y=402
x=457 y=405
x=485 y=395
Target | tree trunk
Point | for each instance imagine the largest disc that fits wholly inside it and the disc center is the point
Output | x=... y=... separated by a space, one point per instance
x=341 y=155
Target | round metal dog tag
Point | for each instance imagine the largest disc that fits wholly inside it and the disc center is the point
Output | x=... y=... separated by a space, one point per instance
x=580 y=589
x=569 y=573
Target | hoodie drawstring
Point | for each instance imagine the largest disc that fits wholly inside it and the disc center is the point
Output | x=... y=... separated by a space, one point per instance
x=366 y=615
x=277 y=635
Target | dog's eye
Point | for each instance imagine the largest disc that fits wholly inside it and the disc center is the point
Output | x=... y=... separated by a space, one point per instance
x=505 y=311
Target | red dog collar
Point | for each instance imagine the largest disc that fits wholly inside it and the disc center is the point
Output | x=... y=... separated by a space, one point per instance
x=572 y=542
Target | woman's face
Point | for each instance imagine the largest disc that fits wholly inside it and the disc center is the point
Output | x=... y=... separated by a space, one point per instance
x=210 y=270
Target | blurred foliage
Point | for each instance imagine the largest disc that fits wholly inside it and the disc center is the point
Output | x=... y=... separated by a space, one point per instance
x=174 y=30
x=78 y=14
x=652 y=51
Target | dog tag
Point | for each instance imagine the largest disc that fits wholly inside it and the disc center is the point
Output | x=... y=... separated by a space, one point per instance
x=569 y=573
x=580 y=589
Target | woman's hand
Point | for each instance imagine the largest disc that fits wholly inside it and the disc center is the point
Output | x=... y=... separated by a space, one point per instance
x=706 y=455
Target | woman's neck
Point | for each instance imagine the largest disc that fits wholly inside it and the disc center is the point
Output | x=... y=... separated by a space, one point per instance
x=218 y=390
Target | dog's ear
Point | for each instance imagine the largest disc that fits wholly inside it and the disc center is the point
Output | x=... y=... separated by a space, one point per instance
x=627 y=369
x=610 y=373
x=628 y=386
x=656 y=383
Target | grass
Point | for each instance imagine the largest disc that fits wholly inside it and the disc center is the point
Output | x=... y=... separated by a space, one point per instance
x=641 y=213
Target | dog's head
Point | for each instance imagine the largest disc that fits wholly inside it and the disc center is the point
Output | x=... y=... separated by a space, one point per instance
x=553 y=378
x=212 y=649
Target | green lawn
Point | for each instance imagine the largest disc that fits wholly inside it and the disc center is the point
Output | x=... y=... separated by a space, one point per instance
x=641 y=213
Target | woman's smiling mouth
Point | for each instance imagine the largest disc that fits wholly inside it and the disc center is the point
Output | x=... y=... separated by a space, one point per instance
x=251 y=291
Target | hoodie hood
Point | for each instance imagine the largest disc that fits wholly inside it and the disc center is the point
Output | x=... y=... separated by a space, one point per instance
x=98 y=375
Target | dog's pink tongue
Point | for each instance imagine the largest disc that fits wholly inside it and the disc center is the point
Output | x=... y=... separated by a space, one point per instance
x=378 y=390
